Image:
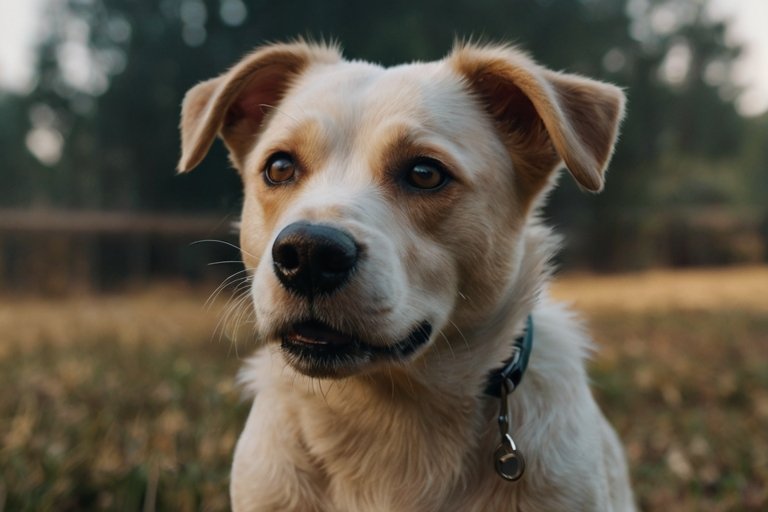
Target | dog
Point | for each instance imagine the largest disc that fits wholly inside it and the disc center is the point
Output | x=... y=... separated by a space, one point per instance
x=411 y=359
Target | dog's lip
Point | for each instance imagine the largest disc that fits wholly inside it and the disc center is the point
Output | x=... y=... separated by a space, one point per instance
x=319 y=349
x=316 y=333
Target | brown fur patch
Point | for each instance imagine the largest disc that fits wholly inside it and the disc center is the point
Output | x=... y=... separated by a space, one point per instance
x=545 y=116
x=391 y=161
x=232 y=104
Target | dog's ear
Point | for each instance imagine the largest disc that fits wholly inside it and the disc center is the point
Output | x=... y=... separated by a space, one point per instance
x=234 y=104
x=544 y=116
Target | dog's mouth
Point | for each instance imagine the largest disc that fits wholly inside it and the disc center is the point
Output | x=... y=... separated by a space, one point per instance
x=316 y=349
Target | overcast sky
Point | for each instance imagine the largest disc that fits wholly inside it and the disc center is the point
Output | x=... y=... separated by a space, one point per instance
x=749 y=27
x=19 y=24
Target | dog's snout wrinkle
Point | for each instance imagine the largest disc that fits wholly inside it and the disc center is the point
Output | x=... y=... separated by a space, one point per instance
x=311 y=259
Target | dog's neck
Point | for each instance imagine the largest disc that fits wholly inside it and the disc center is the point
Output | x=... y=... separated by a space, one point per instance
x=488 y=341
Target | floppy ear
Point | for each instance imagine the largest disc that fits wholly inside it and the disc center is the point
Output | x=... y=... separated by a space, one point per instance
x=545 y=117
x=233 y=104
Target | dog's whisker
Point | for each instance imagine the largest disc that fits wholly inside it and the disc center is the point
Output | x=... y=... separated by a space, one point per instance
x=245 y=309
x=460 y=333
x=236 y=301
x=237 y=295
x=222 y=262
x=448 y=343
x=230 y=244
x=233 y=327
x=218 y=330
x=243 y=292
x=233 y=348
x=241 y=307
x=230 y=280
x=214 y=295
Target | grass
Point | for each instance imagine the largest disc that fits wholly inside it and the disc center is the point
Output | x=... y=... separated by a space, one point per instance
x=116 y=403
x=128 y=402
x=682 y=372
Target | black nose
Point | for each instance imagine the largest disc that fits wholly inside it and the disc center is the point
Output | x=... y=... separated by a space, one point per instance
x=312 y=259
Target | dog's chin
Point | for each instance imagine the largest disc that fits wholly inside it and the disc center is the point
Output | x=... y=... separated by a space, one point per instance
x=318 y=350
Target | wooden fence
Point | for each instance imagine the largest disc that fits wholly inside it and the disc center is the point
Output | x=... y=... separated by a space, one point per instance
x=57 y=251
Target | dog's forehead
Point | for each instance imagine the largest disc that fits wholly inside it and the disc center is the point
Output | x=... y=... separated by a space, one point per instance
x=366 y=95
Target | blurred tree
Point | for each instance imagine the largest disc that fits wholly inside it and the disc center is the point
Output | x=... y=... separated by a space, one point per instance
x=112 y=74
x=675 y=64
x=24 y=173
x=754 y=159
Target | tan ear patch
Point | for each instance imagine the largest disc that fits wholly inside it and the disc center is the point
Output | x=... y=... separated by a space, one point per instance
x=193 y=111
x=594 y=111
x=544 y=116
x=234 y=104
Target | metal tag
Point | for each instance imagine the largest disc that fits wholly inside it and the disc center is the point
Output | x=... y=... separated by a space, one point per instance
x=510 y=464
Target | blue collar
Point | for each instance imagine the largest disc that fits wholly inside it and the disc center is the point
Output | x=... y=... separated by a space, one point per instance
x=513 y=369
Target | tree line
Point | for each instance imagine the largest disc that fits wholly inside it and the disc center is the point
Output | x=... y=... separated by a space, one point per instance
x=98 y=130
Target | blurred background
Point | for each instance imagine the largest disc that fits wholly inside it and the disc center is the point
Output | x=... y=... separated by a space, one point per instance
x=118 y=348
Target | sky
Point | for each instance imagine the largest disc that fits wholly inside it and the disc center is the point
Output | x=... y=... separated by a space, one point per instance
x=20 y=22
x=749 y=23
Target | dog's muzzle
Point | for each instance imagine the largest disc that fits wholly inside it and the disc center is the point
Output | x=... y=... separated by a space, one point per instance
x=313 y=259
x=313 y=262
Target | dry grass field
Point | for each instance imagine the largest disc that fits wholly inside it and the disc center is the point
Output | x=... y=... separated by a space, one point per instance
x=682 y=372
x=128 y=402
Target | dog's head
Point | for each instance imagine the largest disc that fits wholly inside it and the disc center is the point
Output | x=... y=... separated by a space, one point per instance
x=383 y=205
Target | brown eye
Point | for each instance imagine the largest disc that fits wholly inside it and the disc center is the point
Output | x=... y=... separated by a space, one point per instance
x=280 y=169
x=426 y=175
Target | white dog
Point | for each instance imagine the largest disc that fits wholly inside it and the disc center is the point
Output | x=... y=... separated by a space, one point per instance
x=412 y=360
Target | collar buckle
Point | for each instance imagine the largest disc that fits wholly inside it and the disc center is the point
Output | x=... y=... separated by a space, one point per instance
x=508 y=460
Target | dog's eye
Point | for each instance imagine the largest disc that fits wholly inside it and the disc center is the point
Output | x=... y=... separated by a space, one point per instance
x=280 y=169
x=426 y=175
